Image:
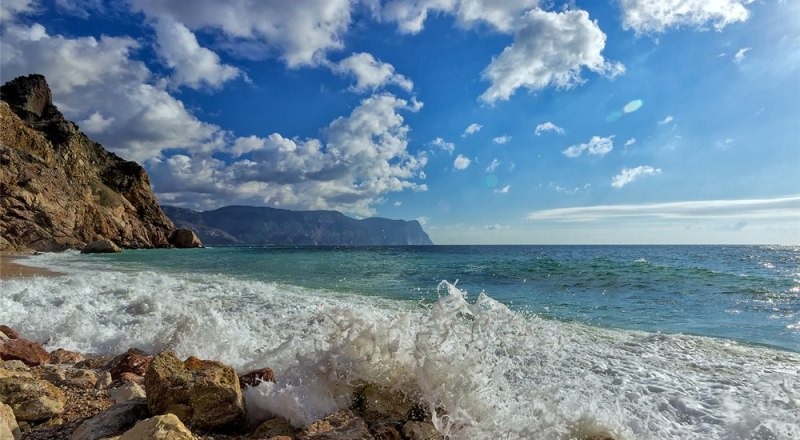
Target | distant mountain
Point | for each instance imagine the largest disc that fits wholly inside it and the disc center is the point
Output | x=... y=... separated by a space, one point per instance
x=250 y=225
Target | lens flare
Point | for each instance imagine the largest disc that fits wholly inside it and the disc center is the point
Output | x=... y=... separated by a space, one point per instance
x=632 y=106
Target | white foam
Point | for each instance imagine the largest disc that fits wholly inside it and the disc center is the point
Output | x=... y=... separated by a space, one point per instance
x=497 y=373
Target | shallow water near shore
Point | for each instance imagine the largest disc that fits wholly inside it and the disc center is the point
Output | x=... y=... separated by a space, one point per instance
x=643 y=342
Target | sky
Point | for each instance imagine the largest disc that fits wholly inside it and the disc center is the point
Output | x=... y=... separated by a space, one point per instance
x=514 y=122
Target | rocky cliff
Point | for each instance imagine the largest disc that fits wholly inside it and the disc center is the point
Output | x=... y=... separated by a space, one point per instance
x=248 y=225
x=59 y=189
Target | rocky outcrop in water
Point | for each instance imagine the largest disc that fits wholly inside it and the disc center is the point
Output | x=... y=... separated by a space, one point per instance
x=59 y=189
x=250 y=225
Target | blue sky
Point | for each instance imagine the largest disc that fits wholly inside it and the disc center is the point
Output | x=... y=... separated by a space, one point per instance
x=524 y=121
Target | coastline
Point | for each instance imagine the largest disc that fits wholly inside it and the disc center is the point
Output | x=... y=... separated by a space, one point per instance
x=12 y=267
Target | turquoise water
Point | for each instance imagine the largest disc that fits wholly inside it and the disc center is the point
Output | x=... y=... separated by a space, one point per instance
x=745 y=293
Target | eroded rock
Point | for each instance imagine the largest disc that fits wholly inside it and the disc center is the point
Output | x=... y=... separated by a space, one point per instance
x=184 y=238
x=343 y=425
x=126 y=392
x=32 y=400
x=255 y=377
x=420 y=431
x=61 y=356
x=113 y=421
x=9 y=332
x=103 y=246
x=132 y=361
x=9 y=429
x=24 y=350
x=274 y=427
x=165 y=427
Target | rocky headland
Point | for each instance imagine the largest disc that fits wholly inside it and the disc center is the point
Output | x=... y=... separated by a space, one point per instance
x=62 y=190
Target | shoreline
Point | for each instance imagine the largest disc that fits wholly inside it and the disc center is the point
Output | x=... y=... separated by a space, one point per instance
x=11 y=267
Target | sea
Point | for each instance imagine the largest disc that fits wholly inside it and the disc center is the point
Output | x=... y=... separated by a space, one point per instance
x=499 y=342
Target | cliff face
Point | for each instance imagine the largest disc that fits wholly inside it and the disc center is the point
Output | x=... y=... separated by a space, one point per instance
x=59 y=189
x=248 y=225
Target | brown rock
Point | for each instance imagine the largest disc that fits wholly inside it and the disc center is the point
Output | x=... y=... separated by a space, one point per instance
x=96 y=362
x=343 y=425
x=62 y=356
x=184 y=238
x=103 y=380
x=166 y=427
x=383 y=403
x=420 y=431
x=255 y=377
x=103 y=246
x=32 y=400
x=277 y=426
x=129 y=391
x=8 y=331
x=24 y=350
x=9 y=429
x=132 y=361
x=68 y=376
x=132 y=378
x=167 y=384
x=386 y=432
x=115 y=420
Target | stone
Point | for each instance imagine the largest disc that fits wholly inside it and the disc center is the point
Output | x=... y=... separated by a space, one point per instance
x=61 y=356
x=113 y=421
x=68 y=376
x=130 y=377
x=103 y=246
x=132 y=361
x=97 y=362
x=24 y=350
x=126 y=392
x=14 y=373
x=420 y=431
x=165 y=427
x=103 y=381
x=16 y=365
x=386 y=433
x=274 y=427
x=343 y=425
x=8 y=424
x=214 y=396
x=184 y=238
x=255 y=377
x=32 y=400
x=167 y=384
x=9 y=332
x=378 y=403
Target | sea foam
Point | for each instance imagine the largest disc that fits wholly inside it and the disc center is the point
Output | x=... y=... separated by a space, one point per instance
x=496 y=373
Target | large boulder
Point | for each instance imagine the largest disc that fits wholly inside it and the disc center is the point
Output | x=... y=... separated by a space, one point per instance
x=132 y=361
x=9 y=332
x=184 y=238
x=205 y=394
x=32 y=400
x=61 y=356
x=113 y=421
x=166 y=427
x=101 y=247
x=68 y=376
x=31 y=353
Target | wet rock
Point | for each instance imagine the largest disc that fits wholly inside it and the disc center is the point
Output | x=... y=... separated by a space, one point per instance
x=62 y=356
x=203 y=393
x=32 y=400
x=255 y=377
x=376 y=403
x=126 y=392
x=132 y=361
x=420 y=431
x=166 y=427
x=601 y=436
x=96 y=362
x=9 y=429
x=24 y=350
x=9 y=332
x=184 y=238
x=277 y=426
x=385 y=432
x=103 y=246
x=343 y=425
x=115 y=420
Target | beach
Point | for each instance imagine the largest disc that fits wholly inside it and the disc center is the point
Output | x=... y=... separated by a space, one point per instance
x=13 y=266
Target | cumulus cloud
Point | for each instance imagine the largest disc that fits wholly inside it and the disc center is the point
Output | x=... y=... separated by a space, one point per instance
x=654 y=16
x=10 y=9
x=549 y=49
x=667 y=119
x=740 y=54
x=472 y=129
x=301 y=32
x=99 y=75
x=410 y=15
x=548 y=126
x=443 y=145
x=461 y=162
x=422 y=220
x=503 y=190
x=628 y=175
x=630 y=142
x=500 y=140
x=192 y=65
x=597 y=146
x=369 y=73
x=768 y=208
x=493 y=166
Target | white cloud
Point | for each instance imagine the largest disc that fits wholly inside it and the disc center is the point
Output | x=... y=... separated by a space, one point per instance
x=503 y=190
x=300 y=32
x=495 y=227
x=362 y=157
x=472 y=129
x=768 y=208
x=193 y=66
x=630 y=142
x=740 y=54
x=461 y=162
x=493 y=166
x=628 y=175
x=423 y=220
x=96 y=123
x=666 y=120
x=549 y=49
x=370 y=74
x=597 y=146
x=653 y=16
x=89 y=75
x=548 y=126
x=410 y=15
x=398 y=203
x=444 y=145
x=500 y=140
x=10 y=9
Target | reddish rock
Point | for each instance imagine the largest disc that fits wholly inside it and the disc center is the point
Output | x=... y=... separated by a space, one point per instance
x=131 y=378
x=62 y=356
x=31 y=353
x=255 y=377
x=8 y=331
x=132 y=361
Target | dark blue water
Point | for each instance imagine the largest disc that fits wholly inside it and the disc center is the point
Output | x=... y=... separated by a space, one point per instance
x=745 y=293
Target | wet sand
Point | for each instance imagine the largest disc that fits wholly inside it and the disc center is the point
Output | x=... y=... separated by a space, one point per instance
x=14 y=267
